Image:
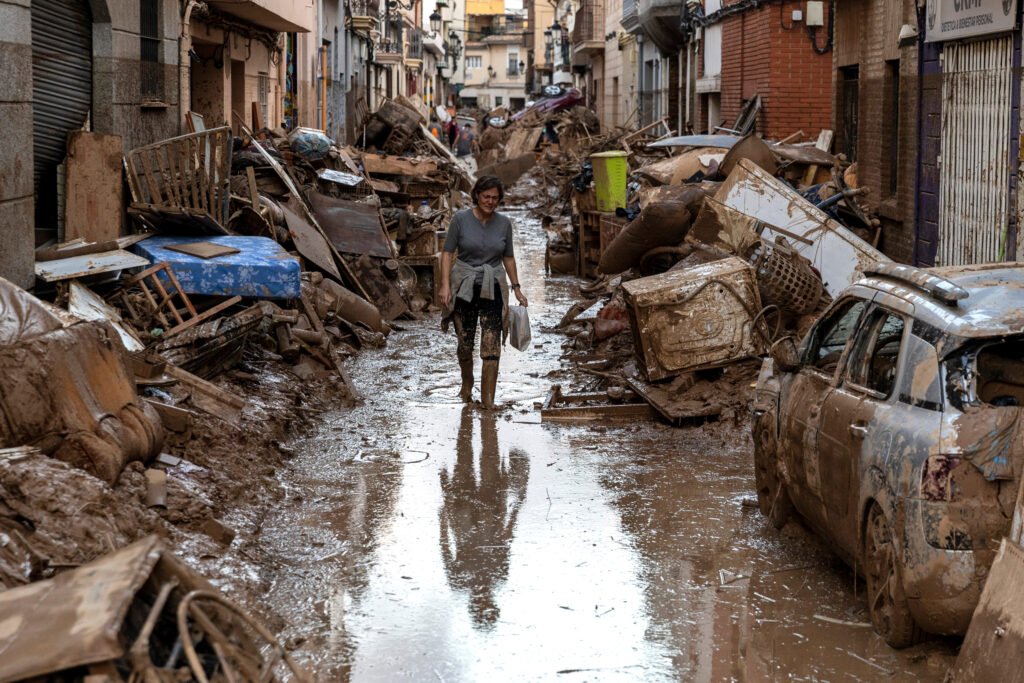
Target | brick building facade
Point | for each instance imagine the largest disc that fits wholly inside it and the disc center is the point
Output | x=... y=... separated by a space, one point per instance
x=765 y=53
x=876 y=104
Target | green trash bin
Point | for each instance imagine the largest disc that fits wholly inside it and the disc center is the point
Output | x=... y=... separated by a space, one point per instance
x=610 y=174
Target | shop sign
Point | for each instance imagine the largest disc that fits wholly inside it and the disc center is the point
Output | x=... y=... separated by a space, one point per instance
x=955 y=19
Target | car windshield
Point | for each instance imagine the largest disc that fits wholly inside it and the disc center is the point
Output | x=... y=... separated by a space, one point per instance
x=987 y=372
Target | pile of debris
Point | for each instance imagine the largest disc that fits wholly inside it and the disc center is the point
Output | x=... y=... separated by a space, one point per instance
x=697 y=263
x=153 y=368
x=288 y=241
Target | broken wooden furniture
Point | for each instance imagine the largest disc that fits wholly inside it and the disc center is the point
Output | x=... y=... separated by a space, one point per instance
x=163 y=300
x=137 y=612
x=213 y=346
x=182 y=182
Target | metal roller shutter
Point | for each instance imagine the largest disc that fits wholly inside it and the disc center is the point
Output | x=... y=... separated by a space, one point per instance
x=61 y=91
x=974 y=171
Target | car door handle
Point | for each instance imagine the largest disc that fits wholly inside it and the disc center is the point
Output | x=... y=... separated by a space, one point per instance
x=858 y=430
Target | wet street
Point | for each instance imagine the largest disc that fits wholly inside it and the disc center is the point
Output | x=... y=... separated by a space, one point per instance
x=427 y=541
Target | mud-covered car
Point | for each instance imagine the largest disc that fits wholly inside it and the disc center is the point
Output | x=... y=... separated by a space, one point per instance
x=894 y=431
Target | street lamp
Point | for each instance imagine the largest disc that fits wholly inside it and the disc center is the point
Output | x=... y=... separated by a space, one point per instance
x=435 y=21
x=547 y=38
x=522 y=66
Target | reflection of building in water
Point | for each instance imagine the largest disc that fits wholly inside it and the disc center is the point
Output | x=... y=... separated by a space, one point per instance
x=482 y=496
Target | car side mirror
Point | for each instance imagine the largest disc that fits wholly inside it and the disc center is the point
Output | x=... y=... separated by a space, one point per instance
x=785 y=355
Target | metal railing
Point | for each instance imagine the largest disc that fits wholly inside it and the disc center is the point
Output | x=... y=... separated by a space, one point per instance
x=364 y=8
x=415 y=50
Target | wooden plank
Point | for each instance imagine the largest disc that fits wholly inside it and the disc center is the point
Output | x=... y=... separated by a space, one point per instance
x=630 y=411
x=211 y=398
x=203 y=250
x=147 y=174
x=257 y=124
x=254 y=195
x=54 y=253
x=188 y=149
x=173 y=418
x=173 y=182
x=673 y=410
x=89 y=264
x=390 y=165
x=94 y=193
x=310 y=312
x=205 y=315
x=824 y=143
x=559 y=407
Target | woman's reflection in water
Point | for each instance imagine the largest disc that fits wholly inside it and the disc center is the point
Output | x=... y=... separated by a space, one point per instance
x=482 y=496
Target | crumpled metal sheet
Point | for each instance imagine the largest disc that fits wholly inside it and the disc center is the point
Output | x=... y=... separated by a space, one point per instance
x=352 y=227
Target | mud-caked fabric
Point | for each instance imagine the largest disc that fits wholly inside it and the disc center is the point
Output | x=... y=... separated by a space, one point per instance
x=488 y=315
x=494 y=287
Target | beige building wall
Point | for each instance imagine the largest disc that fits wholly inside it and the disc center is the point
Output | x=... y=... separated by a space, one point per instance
x=543 y=16
x=490 y=87
x=216 y=92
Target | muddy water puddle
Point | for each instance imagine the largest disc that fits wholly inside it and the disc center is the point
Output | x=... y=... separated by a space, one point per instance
x=423 y=540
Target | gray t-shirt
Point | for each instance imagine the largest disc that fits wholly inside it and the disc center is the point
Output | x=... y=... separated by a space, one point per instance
x=478 y=244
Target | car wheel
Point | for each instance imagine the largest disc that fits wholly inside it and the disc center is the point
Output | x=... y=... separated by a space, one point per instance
x=772 y=497
x=887 y=604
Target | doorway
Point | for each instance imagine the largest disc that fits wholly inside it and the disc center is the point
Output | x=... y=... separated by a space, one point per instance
x=61 y=96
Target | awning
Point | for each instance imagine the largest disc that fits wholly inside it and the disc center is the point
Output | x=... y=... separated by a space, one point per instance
x=288 y=16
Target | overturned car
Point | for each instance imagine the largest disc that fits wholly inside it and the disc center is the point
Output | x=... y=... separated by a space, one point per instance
x=894 y=431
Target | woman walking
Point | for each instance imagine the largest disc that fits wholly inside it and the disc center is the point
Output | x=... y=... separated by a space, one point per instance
x=475 y=289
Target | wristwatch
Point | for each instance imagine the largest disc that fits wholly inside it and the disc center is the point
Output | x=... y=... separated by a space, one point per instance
x=515 y=285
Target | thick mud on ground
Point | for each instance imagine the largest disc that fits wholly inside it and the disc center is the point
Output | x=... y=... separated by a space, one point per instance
x=422 y=540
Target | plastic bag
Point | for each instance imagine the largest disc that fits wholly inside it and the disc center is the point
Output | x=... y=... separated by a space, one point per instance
x=519 y=329
x=309 y=143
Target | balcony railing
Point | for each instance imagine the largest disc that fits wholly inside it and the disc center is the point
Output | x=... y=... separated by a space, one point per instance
x=415 y=50
x=364 y=8
x=589 y=24
x=387 y=52
x=513 y=72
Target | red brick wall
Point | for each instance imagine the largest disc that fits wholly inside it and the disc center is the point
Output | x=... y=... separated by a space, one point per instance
x=760 y=57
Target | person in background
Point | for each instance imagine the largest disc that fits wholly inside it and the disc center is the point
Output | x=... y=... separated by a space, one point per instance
x=466 y=143
x=453 y=133
x=475 y=289
x=435 y=126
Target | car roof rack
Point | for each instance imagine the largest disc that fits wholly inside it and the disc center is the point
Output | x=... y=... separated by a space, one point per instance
x=946 y=291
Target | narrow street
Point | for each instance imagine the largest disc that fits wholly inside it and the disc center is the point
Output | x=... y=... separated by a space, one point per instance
x=423 y=540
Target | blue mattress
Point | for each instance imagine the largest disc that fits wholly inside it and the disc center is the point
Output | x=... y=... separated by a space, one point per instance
x=261 y=269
